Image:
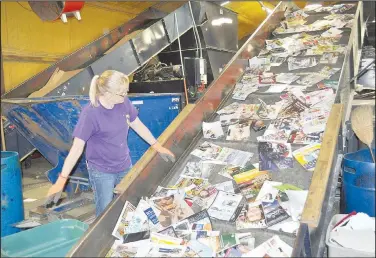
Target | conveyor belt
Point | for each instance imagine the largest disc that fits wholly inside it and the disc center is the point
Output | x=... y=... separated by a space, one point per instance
x=297 y=175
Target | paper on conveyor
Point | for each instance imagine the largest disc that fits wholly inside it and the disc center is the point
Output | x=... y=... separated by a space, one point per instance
x=56 y=79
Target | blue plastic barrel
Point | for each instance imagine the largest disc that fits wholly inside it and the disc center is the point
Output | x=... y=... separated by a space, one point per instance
x=359 y=182
x=12 y=209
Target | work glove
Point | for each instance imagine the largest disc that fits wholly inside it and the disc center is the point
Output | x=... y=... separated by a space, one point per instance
x=165 y=154
x=55 y=191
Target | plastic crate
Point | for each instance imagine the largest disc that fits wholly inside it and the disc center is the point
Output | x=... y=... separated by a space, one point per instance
x=54 y=239
x=338 y=251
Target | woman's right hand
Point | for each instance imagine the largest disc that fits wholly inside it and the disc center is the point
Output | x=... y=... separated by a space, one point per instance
x=57 y=187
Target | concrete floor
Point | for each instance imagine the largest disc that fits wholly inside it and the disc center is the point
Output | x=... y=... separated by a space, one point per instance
x=35 y=184
x=35 y=187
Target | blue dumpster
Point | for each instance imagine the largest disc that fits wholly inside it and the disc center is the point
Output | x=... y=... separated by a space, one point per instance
x=54 y=239
x=48 y=124
x=359 y=182
x=12 y=210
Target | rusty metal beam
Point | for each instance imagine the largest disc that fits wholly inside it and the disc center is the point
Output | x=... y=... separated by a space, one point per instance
x=17 y=55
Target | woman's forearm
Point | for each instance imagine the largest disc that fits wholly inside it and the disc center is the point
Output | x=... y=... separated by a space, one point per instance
x=71 y=160
x=143 y=131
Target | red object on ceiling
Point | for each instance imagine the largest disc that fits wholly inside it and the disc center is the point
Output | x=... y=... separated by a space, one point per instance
x=72 y=6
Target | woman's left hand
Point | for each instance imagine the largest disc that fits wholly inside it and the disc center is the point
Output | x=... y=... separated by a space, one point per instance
x=163 y=152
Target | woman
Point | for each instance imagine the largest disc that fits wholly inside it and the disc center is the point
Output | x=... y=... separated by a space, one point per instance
x=103 y=126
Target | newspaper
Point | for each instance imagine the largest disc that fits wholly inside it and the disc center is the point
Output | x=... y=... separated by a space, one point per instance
x=307 y=156
x=123 y=221
x=212 y=130
x=275 y=156
x=274 y=247
x=286 y=78
x=225 y=206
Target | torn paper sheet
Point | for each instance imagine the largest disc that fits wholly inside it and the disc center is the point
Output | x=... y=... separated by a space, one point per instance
x=268 y=192
x=212 y=130
x=274 y=247
x=296 y=201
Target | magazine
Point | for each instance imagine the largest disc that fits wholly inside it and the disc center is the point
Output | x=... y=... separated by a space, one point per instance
x=207 y=151
x=242 y=92
x=123 y=221
x=234 y=157
x=196 y=222
x=328 y=84
x=266 y=78
x=299 y=137
x=250 y=182
x=258 y=125
x=140 y=219
x=268 y=191
x=275 y=156
x=225 y=206
x=212 y=130
x=251 y=216
x=118 y=249
x=307 y=156
x=238 y=132
x=301 y=63
x=202 y=169
x=172 y=209
x=329 y=58
x=274 y=247
x=197 y=249
x=229 y=109
x=311 y=79
x=164 y=192
x=245 y=243
x=227 y=186
x=230 y=119
x=160 y=250
x=274 y=213
x=276 y=88
x=268 y=112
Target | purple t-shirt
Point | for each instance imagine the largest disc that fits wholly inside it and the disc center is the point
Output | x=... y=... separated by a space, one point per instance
x=105 y=132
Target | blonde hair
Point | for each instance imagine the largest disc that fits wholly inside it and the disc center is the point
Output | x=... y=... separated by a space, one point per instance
x=110 y=81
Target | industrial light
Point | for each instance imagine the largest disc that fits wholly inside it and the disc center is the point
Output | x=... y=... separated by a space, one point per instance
x=224 y=3
x=266 y=9
x=312 y=7
x=220 y=21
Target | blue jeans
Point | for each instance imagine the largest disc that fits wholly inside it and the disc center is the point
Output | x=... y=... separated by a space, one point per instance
x=103 y=185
